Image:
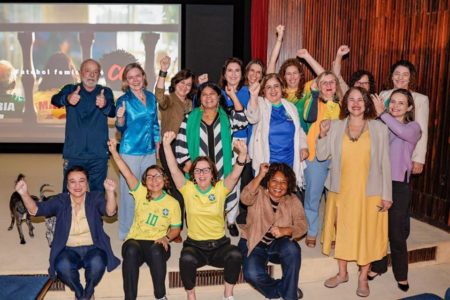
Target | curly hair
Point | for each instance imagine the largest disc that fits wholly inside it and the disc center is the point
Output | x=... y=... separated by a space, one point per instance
x=212 y=166
x=165 y=178
x=286 y=171
x=356 y=76
x=222 y=81
x=301 y=83
x=369 y=108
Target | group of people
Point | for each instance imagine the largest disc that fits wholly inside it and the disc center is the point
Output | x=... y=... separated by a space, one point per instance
x=245 y=154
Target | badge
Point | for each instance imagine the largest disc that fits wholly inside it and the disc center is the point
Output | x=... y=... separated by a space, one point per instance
x=211 y=197
x=165 y=212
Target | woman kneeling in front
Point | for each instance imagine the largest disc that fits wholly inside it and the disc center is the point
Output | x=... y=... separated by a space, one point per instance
x=275 y=218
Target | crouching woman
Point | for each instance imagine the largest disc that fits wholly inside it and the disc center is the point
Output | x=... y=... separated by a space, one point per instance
x=79 y=240
x=275 y=218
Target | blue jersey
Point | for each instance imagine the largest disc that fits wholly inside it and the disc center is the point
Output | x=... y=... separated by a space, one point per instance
x=281 y=136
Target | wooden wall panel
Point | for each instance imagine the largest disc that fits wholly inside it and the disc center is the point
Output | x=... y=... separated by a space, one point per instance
x=379 y=32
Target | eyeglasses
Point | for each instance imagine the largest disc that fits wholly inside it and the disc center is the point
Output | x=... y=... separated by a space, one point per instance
x=362 y=83
x=204 y=171
x=156 y=177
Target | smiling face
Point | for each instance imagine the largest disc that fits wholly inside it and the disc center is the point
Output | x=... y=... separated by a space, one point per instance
x=401 y=77
x=90 y=73
x=277 y=186
x=363 y=82
x=292 y=77
x=272 y=90
x=77 y=184
x=398 y=106
x=254 y=74
x=135 y=79
x=183 y=88
x=233 y=74
x=154 y=180
x=209 y=98
x=355 y=104
x=327 y=86
x=203 y=174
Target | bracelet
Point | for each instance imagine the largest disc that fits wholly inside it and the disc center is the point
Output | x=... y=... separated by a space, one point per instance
x=162 y=73
x=240 y=163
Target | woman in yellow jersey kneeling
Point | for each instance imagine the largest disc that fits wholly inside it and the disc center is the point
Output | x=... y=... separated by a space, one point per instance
x=204 y=199
x=157 y=221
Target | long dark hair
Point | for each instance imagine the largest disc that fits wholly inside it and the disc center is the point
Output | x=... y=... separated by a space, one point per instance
x=217 y=89
x=223 y=81
x=357 y=76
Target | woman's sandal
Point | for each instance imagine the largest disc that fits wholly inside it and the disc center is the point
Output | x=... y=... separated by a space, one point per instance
x=310 y=242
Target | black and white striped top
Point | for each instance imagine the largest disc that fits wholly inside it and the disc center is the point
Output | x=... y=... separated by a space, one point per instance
x=268 y=237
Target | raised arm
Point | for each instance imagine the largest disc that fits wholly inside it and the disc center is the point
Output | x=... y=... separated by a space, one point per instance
x=323 y=147
x=232 y=178
x=130 y=178
x=276 y=50
x=336 y=66
x=69 y=95
x=231 y=92
x=248 y=194
x=160 y=88
x=22 y=189
x=252 y=111
x=317 y=68
x=177 y=175
x=111 y=203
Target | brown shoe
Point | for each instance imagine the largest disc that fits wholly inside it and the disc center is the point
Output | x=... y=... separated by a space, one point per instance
x=310 y=242
x=335 y=281
x=363 y=288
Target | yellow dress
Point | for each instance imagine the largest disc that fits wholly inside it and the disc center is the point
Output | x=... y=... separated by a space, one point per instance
x=352 y=219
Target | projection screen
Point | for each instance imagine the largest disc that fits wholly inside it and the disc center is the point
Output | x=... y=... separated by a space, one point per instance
x=42 y=46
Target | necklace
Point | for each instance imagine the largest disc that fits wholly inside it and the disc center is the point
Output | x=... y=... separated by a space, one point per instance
x=355 y=138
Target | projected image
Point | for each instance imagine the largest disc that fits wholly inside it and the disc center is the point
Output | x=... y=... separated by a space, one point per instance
x=41 y=55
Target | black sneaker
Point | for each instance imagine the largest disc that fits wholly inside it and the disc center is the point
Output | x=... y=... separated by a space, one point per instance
x=299 y=293
x=232 y=228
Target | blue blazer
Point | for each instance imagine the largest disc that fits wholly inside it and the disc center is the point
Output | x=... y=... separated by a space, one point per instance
x=60 y=206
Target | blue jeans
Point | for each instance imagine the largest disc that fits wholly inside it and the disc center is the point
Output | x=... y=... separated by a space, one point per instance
x=315 y=175
x=96 y=168
x=71 y=259
x=281 y=251
x=137 y=164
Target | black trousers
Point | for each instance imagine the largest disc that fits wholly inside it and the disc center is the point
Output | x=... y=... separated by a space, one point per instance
x=173 y=189
x=217 y=253
x=398 y=232
x=246 y=177
x=135 y=253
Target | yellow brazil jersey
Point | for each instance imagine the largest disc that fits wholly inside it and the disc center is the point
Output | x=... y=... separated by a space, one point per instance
x=205 y=211
x=152 y=219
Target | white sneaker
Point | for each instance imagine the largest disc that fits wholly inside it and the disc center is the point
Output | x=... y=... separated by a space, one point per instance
x=228 y=298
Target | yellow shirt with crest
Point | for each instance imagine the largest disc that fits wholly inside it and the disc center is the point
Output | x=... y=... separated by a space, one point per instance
x=205 y=211
x=152 y=219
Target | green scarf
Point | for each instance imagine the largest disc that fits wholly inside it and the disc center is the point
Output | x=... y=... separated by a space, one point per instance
x=193 y=137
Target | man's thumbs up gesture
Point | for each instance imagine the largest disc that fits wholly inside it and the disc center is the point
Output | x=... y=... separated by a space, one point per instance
x=74 y=97
x=100 y=100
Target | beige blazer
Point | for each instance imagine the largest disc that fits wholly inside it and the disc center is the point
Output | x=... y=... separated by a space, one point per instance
x=379 y=182
x=421 y=115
